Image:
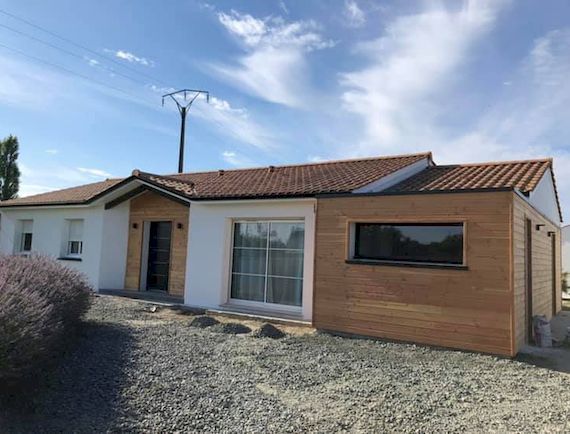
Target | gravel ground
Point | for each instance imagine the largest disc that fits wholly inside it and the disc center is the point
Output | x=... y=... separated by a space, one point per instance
x=138 y=371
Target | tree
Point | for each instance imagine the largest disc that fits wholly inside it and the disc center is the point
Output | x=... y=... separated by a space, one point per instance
x=9 y=172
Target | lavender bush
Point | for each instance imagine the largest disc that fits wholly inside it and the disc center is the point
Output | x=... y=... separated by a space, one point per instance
x=41 y=304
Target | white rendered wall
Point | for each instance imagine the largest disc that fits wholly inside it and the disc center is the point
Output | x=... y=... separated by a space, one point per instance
x=105 y=235
x=49 y=234
x=114 y=247
x=209 y=243
x=543 y=197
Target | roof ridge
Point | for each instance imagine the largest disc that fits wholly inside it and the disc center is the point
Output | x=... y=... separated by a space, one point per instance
x=497 y=163
x=319 y=163
x=139 y=173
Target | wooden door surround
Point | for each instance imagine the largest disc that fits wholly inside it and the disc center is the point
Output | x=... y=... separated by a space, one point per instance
x=149 y=207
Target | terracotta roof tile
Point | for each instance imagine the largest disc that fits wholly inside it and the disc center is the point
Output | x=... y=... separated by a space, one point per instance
x=295 y=180
x=522 y=175
x=73 y=195
x=265 y=182
x=318 y=178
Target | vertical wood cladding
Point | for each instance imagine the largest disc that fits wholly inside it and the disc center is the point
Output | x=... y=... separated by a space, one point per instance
x=153 y=207
x=542 y=263
x=468 y=309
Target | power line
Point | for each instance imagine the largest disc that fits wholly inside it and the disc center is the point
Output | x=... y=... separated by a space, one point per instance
x=69 y=41
x=69 y=71
x=70 y=53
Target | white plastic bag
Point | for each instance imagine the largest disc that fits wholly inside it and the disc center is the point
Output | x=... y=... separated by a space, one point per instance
x=542 y=332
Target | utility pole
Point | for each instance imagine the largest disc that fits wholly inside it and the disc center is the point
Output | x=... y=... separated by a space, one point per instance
x=183 y=109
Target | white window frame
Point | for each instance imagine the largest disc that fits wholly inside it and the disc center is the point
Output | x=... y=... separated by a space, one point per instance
x=22 y=235
x=68 y=240
x=264 y=305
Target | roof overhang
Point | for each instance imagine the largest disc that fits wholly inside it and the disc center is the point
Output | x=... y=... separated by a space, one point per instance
x=113 y=196
x=412 y=193
x=139 y=186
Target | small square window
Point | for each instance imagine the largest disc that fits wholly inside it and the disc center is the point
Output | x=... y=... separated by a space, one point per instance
x=75 y=247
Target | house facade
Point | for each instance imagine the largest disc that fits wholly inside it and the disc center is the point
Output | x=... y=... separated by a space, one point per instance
x=394 y=247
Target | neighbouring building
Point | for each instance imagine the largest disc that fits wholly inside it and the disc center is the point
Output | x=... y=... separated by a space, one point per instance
x=395 y=247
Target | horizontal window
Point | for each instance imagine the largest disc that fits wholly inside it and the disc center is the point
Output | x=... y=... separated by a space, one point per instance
x=440 y=243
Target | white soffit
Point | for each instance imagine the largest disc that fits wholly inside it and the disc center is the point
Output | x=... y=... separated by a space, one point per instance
x=394 y=178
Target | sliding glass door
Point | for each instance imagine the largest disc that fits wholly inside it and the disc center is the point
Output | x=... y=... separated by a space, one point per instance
x=267 y=262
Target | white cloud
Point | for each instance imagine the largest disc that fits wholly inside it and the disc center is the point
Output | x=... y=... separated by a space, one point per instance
x=20 y=81
x=91 y=62
x=274 y=32
x=32 y=189
x=224 y=118
x=283 y=7
x=208 y=6
x=46 y=177
x=235 y=123
x=274 y=67
x=52 y=151
x=315 y=158
x=235 y=159
x=530 y=119
x=400 y=95
x=414 y=60
x=162 y=90
x=355 y=16
x=131 y=58
x=250 y=29
x=96 y=173
x=223 y=105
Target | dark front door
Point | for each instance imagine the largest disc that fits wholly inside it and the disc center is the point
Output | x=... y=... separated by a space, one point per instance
x=158 y=256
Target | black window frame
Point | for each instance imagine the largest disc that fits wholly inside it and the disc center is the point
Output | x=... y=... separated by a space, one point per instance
x=413 y=262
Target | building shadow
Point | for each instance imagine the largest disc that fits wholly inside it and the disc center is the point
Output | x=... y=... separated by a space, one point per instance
x=558 y=358
x=82 y=394
x=555 y=359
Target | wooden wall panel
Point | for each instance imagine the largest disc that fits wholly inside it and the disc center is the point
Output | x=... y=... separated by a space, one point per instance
x=154 y=207
x=541 y=267
x=468 y=309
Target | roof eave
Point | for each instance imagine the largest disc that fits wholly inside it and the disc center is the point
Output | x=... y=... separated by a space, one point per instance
x=414 y=192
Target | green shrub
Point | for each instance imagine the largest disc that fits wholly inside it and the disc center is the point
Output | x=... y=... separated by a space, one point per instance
x=41 y=304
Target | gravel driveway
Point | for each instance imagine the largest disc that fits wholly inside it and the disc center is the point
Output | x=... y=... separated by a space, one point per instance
x=138 y=371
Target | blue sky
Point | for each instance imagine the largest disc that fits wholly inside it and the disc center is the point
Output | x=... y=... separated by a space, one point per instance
x=290 y=81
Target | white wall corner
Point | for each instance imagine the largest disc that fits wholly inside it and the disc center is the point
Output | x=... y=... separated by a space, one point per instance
x=543 y=197
x=394 y=178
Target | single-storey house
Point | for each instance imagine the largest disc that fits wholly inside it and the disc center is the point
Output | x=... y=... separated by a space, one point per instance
x=394 y=247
